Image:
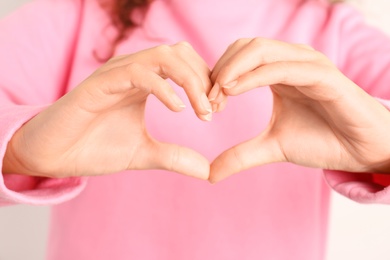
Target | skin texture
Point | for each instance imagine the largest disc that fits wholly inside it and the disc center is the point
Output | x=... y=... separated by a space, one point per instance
x=320 y=118
x=314 y=120
x=98 y=128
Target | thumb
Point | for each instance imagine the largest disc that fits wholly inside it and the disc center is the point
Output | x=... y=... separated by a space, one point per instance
x=254 y=152
x=179 y=159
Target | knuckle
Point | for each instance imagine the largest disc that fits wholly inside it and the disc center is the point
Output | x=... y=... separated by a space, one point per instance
x=305 y=46
x=258 y=42
x=261 y=46
x=239 y=42
x=243 y=41
x=234 y=44
x=182 y=48
x=184 y=44
x=164 y=50
x=108 y=80
x=117 y=79
x=322 y=57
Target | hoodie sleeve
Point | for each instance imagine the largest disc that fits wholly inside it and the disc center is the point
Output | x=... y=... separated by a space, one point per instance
x=36 y=49
x=364 y=53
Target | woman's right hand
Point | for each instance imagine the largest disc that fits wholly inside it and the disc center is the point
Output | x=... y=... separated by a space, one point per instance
x=98 y=128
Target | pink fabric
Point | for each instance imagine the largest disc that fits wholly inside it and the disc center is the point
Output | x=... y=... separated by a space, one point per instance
x=277 y=211
x=362 y=187
x=24 y=189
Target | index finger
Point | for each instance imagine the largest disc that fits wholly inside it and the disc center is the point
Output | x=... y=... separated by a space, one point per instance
x=255 y=53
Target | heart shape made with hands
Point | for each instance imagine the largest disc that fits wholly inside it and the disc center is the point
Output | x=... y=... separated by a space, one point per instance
x=99 y=127
x=311 y=123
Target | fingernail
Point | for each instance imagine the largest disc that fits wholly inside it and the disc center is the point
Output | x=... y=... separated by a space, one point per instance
x=206 y=103
x=178 y=101
x=214 y=92
x=230 y=84
x=208 y=117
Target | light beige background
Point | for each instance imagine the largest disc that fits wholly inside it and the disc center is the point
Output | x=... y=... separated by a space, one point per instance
x=358 y=232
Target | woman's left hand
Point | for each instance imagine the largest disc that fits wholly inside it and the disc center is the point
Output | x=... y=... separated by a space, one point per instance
x=320 y=118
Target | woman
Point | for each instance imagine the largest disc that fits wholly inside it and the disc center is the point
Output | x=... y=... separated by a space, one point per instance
x=66 y=114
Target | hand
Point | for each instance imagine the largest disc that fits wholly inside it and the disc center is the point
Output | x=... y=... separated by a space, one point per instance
x=98 y=128
x=320 y=118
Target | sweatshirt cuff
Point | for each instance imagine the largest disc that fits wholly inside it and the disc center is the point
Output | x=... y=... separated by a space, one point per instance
x=21 y=189
x=362 y=187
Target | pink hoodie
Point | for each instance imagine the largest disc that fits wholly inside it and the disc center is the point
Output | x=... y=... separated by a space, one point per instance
x=277 y=211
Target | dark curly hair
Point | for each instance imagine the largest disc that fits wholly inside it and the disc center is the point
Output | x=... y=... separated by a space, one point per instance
x=119 y=12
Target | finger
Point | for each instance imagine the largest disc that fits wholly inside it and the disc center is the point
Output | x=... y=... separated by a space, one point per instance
x=221 y=97
x=260 y=52
x=149 y=82
x=230 y=51
x=182 y=65
x=222 y=105
x=317 y=81
x=219 y=107
x=215 y=107
x=112 y=87
x=199 y=66
x=178 y=159
x=216 y=95
x=196 y=62
x=184 y=49
x=254 y=152
x=176 y=68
